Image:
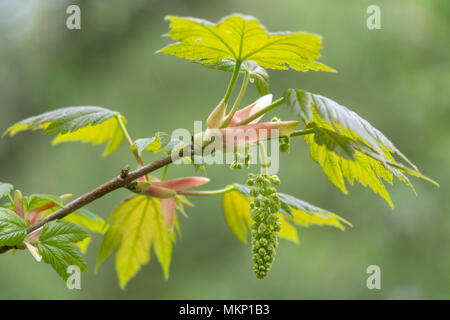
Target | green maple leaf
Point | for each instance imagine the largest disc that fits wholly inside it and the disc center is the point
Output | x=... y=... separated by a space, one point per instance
x=242 y=38
x=348 y=147
x=13 y=229
x=137 y=224
x=95 y=125
x=55 y=246
x=236 y=209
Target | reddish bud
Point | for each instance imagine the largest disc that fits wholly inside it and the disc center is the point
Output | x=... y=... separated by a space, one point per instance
x=18 y=204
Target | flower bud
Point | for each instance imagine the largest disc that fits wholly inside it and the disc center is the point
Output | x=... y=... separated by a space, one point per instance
x=154 y=191
x=217 y=116
x=18 y=204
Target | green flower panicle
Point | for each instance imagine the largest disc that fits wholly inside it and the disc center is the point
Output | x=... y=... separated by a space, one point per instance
x=264 y=207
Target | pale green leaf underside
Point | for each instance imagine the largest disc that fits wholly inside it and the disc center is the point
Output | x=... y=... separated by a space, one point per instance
x=56 y=249
x=93 y=125
x=13 y=229
x=335 y=142
x=236 y=209
x=347 y=146
x=137 y=224
x=242 y=37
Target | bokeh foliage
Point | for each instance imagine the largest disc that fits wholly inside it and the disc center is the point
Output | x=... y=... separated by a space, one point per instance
x=396 y=77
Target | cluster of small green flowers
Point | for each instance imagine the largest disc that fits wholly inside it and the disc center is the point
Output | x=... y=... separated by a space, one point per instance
x=266 y=226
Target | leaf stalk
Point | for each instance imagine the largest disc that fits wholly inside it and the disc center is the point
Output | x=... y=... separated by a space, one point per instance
x=237 y=69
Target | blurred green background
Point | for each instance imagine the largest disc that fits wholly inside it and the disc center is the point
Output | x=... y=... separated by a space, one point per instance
x=397 y=77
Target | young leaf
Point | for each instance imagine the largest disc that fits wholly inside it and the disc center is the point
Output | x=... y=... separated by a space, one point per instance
x=257 y=74
x=236 y=207
x=136 y=224
x=306 y=214
x=55 y=247
x=13 y=229
x=236 y=210
x=288 y=231
x=62 y=231
x=335 y=142
x=363 y=169
x=147 y=144
x=83 y=244
x=87 y=219
x=47 y=204
x=82 y=216
x=5 y=189
x=95 y=125
x=161 y=142
x=347 y=146
x=39 y=200
x=313 y=214
x=242 y=38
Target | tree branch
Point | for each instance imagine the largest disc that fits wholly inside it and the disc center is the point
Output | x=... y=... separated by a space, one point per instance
x=121 y=181
x=124 y=180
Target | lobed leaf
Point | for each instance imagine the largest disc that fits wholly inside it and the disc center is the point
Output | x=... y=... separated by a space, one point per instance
x=62 y=231
x=347 y=146
x=306 y=214
x=241 y=38
x=55 y=247
x=236 y=208
x=88 y=220
x=13 y=229
x=339 y=144
x=137 y=224
x=81 y=217
x=88 y=124
x=288 y=231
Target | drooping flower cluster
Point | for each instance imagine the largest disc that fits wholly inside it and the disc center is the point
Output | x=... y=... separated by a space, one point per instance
x=264 y=207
